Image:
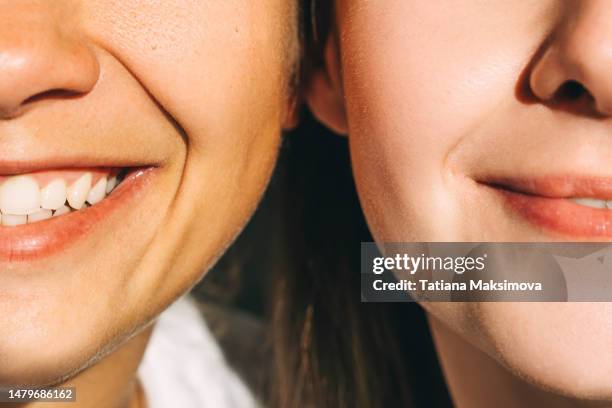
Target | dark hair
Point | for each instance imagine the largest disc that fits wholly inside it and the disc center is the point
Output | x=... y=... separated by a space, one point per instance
x=330 y=349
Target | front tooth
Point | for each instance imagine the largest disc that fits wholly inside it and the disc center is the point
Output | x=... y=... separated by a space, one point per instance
x=19 y=195
x=97 y=193
x=11 y=220
x=53 y=196
x=590 y=202
x=64 y=209
x=112 y=182
x=40 y=215
x=77 y=192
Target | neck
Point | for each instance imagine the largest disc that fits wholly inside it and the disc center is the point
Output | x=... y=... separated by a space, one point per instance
x=476 y=380
x=111 y=382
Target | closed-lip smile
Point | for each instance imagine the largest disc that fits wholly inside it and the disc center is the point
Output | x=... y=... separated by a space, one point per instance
x=574 y=207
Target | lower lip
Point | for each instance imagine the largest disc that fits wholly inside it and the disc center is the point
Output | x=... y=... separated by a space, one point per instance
x=45 y=238
x=561 y=216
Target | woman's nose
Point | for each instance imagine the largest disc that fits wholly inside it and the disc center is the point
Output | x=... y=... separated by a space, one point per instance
x=42 y=55
x=577 y=62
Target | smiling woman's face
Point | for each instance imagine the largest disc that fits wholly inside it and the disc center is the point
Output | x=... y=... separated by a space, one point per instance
x=182 y=100
x=480 y=121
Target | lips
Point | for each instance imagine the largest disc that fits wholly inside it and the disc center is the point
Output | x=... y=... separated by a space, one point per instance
x=572 y=207
x=38 y=222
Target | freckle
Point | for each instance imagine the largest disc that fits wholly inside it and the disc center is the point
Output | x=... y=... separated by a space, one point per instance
x=154 y=47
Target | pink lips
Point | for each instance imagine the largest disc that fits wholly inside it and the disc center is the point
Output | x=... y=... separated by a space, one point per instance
x=545 y=202
x=44 y=238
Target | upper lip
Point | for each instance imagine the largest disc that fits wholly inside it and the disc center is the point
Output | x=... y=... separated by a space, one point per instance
x=13 y=167
x=25 y=148
x=564 y=186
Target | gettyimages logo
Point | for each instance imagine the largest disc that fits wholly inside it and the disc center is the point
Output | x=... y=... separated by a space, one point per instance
x=492 y=272
x=412 y=265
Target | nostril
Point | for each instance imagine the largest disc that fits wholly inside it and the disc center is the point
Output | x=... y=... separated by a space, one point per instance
x=14 y=110
x=46 y=67
x=51 y=94
x=571 y=91
x=574 y=97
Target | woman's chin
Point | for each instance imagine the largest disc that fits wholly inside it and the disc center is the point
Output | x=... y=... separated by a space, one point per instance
x=43 y=361
x=561 y=347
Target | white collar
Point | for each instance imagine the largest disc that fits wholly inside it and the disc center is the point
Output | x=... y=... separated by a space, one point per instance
x=184 y=367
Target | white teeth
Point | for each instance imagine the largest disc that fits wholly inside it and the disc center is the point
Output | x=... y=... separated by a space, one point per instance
x=112 y=182
x=77 y=192
x=40 y=215
x=22 y=201
x=592 y=202
x=53 y=196
x=98 y=192
x=19 y=195
x=61 y=211
x=10 y=220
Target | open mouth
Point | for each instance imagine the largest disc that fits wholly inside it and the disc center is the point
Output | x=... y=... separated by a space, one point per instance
x=42 y=212
x=572 y=207
x=38 y=196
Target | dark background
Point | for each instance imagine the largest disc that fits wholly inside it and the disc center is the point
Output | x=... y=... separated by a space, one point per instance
x=310 y=225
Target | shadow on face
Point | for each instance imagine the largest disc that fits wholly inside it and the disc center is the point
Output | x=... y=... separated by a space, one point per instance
x=137 y=138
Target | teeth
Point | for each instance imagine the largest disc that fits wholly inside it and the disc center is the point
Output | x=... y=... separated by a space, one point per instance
x=10 y=220
x=77 y=192
x=110 y=185
x=98 y=192
x=593 y=202
x=19 y=196
x=64 y=209
x=22 y=201
x=40 y=215
x=53 y=196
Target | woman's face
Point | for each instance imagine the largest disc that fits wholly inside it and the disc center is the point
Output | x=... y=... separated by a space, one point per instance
x=464 y=126
x=186 y=97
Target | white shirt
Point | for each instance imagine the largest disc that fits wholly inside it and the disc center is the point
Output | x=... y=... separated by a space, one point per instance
x=184 y=367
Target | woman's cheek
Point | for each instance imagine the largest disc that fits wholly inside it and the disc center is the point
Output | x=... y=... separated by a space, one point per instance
x=422 y=81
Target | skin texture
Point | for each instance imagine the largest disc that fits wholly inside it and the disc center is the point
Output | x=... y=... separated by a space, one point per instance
x=438 y=96
x=197 y=89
